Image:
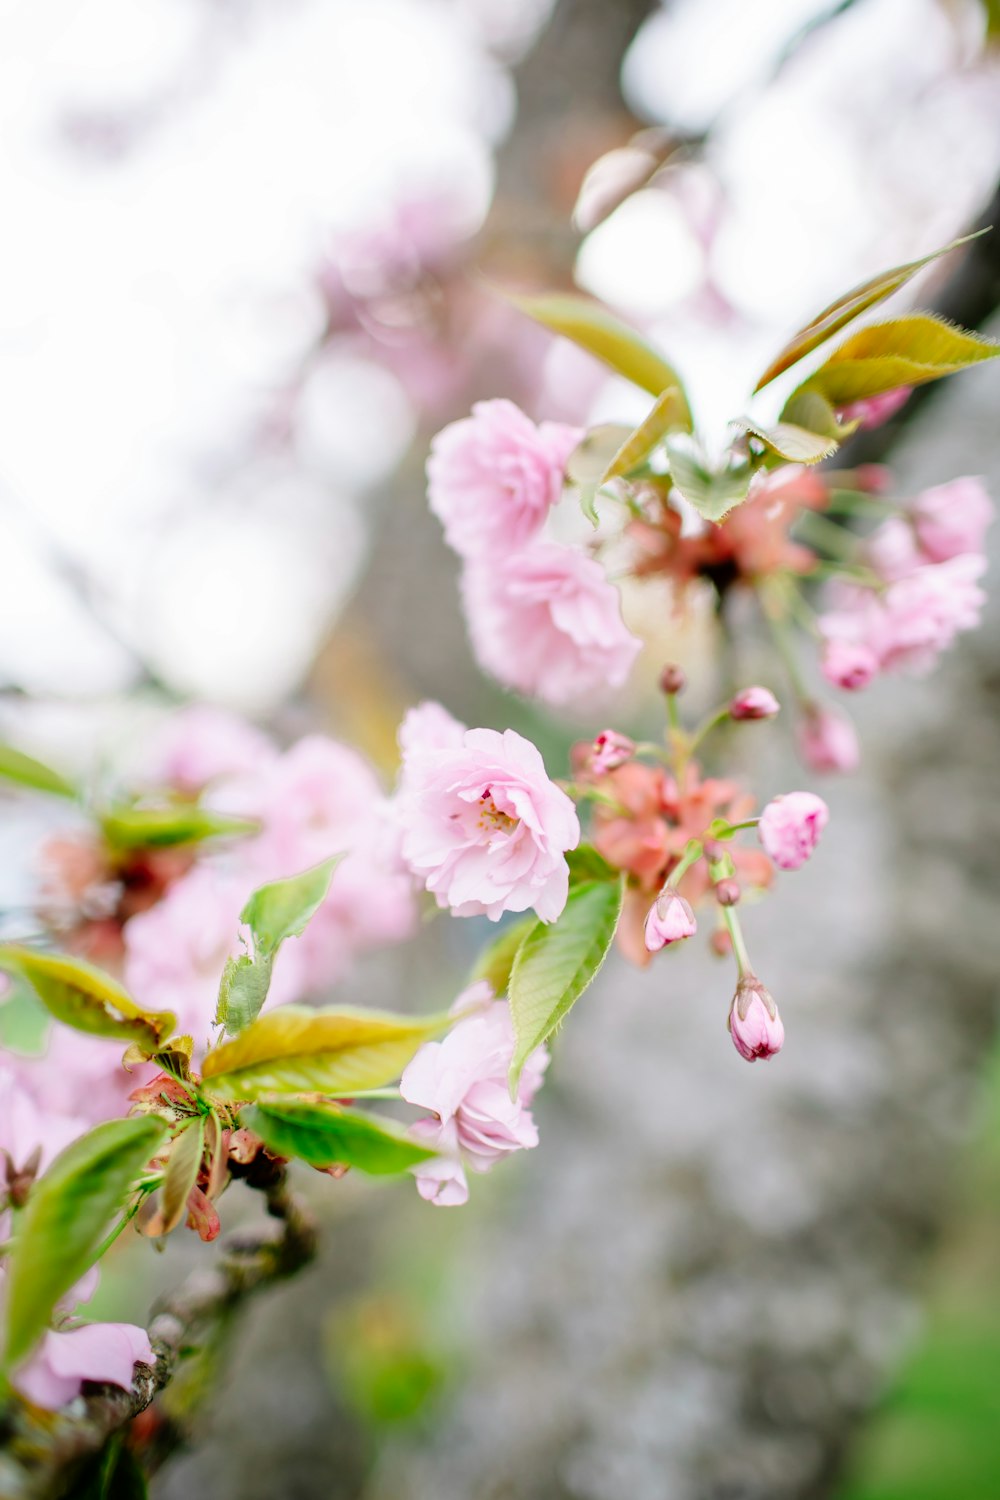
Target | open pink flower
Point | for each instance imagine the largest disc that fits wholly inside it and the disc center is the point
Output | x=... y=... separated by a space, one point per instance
x=103 y=1352
x=790 y=827
x=483 y=826
x=547 y=622
x=952 y=519
x=920 y=615
x=462 y=1080
x=494 y=476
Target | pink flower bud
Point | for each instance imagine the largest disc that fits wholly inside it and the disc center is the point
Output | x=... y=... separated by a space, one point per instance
x=727 y=892
x=754 y=703
x=873 y=411
x=827 y=741
x=849 y=664
x=670 y=919
x=754 y=1023
x=790 y=827
x=609 y=751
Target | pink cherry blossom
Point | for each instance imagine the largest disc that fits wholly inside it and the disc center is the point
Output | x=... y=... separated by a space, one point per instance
x=892 y=549
x=30 y=1134
x=200 y=743
x=873 y=411
x=919 y=616
x=462 y=1080
x=494 y=476
x=849 y=664
x=754 y=703
x=483 y=827
x=81 y=1076
x=790 y=826
x=547 y=622
x=952 y=519
x=828 y=740
x=104 y=1352
x=670 y=919
x=754 y=1023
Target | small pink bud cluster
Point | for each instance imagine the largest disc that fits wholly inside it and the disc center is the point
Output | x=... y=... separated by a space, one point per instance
x=670 y=920
x=790 y=826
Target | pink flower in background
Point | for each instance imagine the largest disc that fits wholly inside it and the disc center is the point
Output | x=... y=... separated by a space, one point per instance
x=30 y=1135
x=952 y=519
x=428 y=726
x=104 y=1352
x=828 y=740
x=670 y=920
x=609 y=751
x=482 y=825
x=849 y=664
x=754 y=1023
x=547 y=622
x=790 y=826
x=920 y=615
x=873 y=411
x=494 y=476
x=754 y=703
x=462 y=1080
x=892 y=549
x=81 y=1075
x=200 y=743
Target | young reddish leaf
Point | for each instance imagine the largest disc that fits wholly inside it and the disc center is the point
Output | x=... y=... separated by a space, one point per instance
x=846 y=308
x=87 y=999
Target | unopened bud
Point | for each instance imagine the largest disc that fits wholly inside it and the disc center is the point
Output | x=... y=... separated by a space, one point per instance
x=754 y=1023
x=670 y=919
x=609 y=751
x=727 y=892
x=721 y=943
x=672 y=679
x=754 y=703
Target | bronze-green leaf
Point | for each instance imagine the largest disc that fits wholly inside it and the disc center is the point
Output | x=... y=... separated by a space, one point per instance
x=183 y=1166
x=87 y=999
x=337 y=1050
x=885 y=356
x=846 y=308
x=24 y=770
x=67 y=1216
x=790 y=441
x=713 y=490
x=609 y=339
x=668 y=414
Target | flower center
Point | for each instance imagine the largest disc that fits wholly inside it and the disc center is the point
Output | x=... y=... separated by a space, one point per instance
x=490 y=816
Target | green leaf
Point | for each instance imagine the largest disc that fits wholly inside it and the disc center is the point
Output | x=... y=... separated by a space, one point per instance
x=332 y=1051
x=713 y=492
x=790 y=441
x=497 y=959
x=181 y=1175
x=597 y=330
x=841 y=312
x=135 y=827
x=87 y=999
x=885 y=356
x=556 y=964
x=68 y=1213
x=115 y=1474
x=327 y=1135
x=586 y=464
x=668 y=414
x=812 y=411
x=242 y=992
x=282 y=909
x=24 y=770
x=586 y=864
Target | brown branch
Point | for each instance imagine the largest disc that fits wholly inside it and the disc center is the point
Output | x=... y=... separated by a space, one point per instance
x=44 y=1452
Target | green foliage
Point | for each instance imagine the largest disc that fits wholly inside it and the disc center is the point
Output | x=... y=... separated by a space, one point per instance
x=713 y=491
x=66 y=1218
x=273 y=913
x=597 y=330
x=556 y=963
x=133 y=826
x=885 y=356
x=588 y=463
x=846 y=308
x=296 y=1049
x=327 y=1135
x=497 y=959
x=24 y=1021
x=586 y=864
x=668 y=414
x=87 y=999
x=181 y=1176
x=792 y=442
x=115 y=1474
x=24 y=770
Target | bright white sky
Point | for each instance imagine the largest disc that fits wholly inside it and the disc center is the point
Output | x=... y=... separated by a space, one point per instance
x=155 y=301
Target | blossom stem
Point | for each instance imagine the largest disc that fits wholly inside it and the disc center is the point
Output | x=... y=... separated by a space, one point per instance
x=821 y=532
x=705 y=728
x=693 y=851
x=777 y=620
x=123 y=1223
x=732 y=921
x=849 y=502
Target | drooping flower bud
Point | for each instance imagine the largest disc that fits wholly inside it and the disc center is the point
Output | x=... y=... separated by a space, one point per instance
x=754 y=1023
x=790 y=826
x=609 y=751
x=754 y=703
x=828 y=741
x=849 y=664
x=727 y=892
x=673 y=679
x=670 y=919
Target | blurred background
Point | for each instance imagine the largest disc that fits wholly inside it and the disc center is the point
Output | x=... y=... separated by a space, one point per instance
x=249 y=248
